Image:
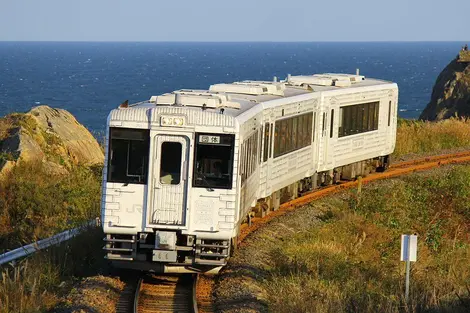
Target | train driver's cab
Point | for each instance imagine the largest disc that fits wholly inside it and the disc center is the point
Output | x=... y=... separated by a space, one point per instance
x=213 y=161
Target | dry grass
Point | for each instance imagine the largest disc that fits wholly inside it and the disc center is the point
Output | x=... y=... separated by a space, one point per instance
x=35 y=204
x=36 y=284
x=350 y=263
x=419 y=137
x=5 y=126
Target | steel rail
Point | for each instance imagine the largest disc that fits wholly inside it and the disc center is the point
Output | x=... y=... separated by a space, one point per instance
x=137 y=294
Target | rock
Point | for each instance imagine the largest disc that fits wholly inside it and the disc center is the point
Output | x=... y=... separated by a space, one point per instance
x=22 y=146
x=80 y=144
x=451 y=93
x=50 y=136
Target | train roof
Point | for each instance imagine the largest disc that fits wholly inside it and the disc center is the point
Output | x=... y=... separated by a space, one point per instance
x=238 y=97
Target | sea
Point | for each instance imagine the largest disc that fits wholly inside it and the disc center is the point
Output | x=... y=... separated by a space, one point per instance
x=91 y=78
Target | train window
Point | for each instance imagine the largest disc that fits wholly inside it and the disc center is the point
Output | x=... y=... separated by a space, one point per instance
x=249 y=156
x=128 y=155
x=266 y=142
x=170 y=164
x=283 y=147
x=314 y=124
x=323 y=125
x=389 y=112
x=295 y=144
x=270 y=139
x=331 y=124
x=260 y=142
x=359 y=118
x=365 y=118
x=277 y=139
x=292 y=134
x=213 y=161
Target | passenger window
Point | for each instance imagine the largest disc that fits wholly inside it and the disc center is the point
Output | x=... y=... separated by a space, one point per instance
x=359 y=118
x=331 y=124
x=389 y=112
x=323 y=125
x=266 y=142
x=170 y=166
x=314 y=124
x=270 y=139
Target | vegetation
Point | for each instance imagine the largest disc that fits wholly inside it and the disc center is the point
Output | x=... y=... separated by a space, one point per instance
x=320 y=267
x=36 y=204
x=37 y=283
x=350 y=261
x=420 y=137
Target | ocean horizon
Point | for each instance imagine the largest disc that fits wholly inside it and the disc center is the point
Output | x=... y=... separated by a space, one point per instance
x=89 y=78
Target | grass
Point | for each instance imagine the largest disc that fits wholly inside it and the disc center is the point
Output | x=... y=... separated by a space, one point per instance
x=350 y=262
x=36 y=204
x=420 y=137
x=37 y=283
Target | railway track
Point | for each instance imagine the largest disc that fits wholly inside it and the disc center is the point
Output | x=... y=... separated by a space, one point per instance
x=160 y=293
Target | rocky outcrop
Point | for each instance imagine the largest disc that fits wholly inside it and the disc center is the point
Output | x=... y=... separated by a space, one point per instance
x=451 y=93
x=50 y=136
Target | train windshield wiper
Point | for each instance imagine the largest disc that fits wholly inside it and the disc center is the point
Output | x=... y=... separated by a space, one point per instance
x=204 y=179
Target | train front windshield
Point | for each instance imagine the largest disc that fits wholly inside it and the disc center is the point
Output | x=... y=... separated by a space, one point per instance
x=128 y=155
x=213 y=159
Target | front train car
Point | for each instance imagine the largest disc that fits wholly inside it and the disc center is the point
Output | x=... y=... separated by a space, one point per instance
x=169 y=189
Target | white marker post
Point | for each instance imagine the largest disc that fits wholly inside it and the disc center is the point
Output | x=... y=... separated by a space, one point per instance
x=409 y=249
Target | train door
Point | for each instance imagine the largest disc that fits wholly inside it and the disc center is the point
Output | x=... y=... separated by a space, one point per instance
x=170 y=172
x=323 y=142
x=266 y=158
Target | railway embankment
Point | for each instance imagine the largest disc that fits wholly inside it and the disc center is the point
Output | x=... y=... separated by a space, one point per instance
x=341 y=253
x=36 y=202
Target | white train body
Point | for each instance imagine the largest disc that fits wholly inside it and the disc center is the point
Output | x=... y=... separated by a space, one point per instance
x=184 y=169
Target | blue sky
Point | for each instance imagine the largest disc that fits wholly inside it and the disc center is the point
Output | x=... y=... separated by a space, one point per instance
x=240 y=20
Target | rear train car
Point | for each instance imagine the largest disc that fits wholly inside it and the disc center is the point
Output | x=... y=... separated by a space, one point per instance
x=185 y=169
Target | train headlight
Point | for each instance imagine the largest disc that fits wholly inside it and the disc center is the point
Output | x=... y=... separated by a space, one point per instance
x=176 y=121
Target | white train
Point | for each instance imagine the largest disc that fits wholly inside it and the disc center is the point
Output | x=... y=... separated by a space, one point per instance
x=185 y=169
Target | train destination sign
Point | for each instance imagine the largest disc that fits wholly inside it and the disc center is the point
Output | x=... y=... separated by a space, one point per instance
x=208 y=139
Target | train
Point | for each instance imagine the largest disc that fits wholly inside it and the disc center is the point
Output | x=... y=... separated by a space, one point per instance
x=183 y=170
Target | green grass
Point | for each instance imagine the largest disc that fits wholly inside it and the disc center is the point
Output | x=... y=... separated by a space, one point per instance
x=350 y=263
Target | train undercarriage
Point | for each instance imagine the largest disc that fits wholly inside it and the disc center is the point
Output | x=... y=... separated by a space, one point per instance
x=291 y=192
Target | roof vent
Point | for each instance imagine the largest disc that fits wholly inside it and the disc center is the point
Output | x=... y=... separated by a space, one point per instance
x=311 y=80
x=247 y=87
x=327 y=79
x=351 y=77
x=196 y=98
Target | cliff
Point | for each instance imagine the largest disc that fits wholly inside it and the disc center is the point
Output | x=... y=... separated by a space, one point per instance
x=50 y=136
x=451 y=93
